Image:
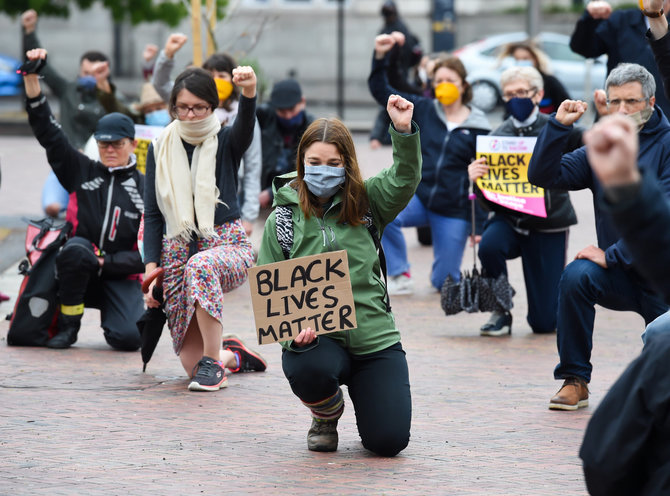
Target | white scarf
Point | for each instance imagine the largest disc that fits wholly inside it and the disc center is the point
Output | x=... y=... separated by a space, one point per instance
x=182 y=195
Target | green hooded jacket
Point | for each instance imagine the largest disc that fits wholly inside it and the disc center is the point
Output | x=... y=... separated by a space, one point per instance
x=388 y=193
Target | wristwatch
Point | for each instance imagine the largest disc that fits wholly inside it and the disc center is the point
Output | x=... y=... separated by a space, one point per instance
x=653 y=15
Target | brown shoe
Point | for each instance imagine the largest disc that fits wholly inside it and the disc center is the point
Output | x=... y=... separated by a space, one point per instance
x=322 y=435
x=574 y=394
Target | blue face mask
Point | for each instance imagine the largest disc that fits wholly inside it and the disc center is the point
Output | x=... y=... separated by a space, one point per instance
x=293 y=122
x=324 y=180
x=520 y=108
x=158 y=118
x=524 y=63
x=86 y=82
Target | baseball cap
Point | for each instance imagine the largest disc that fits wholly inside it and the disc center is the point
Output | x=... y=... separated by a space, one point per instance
x=285 y=94
x=114 y=126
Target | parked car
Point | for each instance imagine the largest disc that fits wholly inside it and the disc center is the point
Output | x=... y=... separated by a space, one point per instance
x=580 y=76
x=10 y=81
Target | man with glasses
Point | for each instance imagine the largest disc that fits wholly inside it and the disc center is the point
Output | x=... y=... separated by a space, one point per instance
x=97 y=266
x=602 y=274
x=540 y=242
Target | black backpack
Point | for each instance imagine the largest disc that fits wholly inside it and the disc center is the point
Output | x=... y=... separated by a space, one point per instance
x=284 y=224
x=33 y=321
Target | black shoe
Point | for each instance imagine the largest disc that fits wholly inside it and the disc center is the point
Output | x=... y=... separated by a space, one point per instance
x=322 y=435
x=210 y=376
x=68 y=328
x=249 y=360
x=499 y=324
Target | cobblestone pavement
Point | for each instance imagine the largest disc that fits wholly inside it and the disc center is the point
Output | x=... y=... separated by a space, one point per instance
x=87 y=420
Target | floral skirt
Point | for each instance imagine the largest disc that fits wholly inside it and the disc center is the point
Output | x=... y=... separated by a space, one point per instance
x=219 y=266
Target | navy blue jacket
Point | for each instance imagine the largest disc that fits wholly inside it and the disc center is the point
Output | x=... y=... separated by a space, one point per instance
x=622 y=38
x=548 y=168
x=446 y=155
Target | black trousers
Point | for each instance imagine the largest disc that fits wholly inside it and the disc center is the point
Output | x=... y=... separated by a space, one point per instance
x=378 y=387
x=119 y=300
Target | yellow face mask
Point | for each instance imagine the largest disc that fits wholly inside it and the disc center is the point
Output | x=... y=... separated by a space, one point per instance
x=224 y=88
x=447 y=93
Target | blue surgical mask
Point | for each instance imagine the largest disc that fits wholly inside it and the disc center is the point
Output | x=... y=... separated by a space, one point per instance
x=86 y=82
x=524 y=63
x=324 y=180
x=520 y=108
x=293 y=122
x=158 y=118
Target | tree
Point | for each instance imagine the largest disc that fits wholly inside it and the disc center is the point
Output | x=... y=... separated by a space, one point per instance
x=135 y=11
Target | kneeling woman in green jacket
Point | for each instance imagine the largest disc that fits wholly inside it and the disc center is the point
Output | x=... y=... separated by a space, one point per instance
x=329 y=202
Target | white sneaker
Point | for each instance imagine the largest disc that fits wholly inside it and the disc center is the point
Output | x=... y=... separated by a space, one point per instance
x=400 y=285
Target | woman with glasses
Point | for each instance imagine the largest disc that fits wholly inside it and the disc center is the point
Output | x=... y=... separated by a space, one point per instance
x=449 y=129
x=192 y=224
x=540 y=242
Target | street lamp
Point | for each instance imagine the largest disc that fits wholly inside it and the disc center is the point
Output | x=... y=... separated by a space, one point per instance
x=340 y=58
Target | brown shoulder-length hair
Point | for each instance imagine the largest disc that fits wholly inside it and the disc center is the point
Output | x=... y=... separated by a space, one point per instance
x=354 y=198
x=455 y=64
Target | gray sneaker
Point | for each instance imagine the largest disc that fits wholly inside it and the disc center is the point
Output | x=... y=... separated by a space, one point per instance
x=322 y=435
x=400 y=285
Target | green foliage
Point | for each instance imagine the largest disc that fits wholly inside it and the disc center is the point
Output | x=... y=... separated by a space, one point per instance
x=135 y=11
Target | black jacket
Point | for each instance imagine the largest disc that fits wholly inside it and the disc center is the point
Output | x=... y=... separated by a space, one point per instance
x=560 y=214
x=109 y=203
x=273 y=142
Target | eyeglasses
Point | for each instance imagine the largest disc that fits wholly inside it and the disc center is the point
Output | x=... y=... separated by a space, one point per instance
x=628 y=102
x=198 y=110
x=529 y=93
x=117 y=145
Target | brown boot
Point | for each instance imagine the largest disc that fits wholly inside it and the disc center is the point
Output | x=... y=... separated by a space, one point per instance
x=322 y=435
x=574 y=394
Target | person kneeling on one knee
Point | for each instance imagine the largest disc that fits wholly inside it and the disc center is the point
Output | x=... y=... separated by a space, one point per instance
x=96 y=267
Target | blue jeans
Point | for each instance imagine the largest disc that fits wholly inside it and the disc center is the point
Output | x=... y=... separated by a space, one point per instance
x=543 y=259
x=661 y=325
x=53 y=192
x=583 y=285
x=449 y=237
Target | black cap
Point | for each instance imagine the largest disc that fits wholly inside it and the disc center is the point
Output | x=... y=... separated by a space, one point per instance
x=285 y=94
x=114 y=126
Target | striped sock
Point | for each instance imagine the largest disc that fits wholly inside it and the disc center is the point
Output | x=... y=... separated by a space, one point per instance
x=329 y=409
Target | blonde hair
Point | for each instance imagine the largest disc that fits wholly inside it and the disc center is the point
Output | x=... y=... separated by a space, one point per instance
x=540 y=58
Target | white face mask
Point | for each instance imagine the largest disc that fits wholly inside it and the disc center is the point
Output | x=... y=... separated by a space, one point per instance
x=641 y=117
x=324 y=180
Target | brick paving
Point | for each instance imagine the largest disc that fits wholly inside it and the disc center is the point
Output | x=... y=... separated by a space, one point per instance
x=88 y=421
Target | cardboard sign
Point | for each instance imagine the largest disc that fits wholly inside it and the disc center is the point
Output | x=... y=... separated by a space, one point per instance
x=507 y=180
x=291 y=295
